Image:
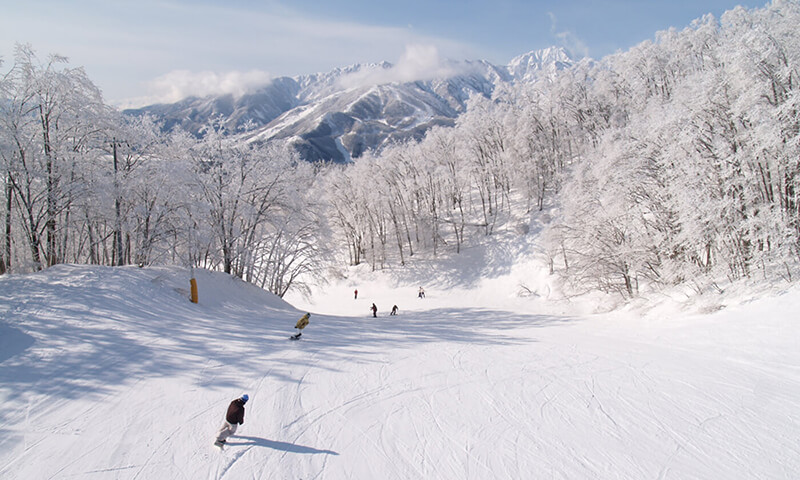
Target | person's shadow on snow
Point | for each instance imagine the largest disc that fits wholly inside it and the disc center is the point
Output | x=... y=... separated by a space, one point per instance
x=286 y=447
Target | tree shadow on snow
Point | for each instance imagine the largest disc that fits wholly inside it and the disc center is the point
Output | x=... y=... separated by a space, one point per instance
x=13 y=342
x=468 y=325
x=82 y=331
x=276 y=445
x=365 y=338
x=79 y=330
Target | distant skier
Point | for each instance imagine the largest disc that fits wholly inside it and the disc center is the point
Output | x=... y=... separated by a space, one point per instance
x=421 y=292
x=300 y=325
x=374 y=309
x=394 y=310
x=355 y=295
x=233 y=418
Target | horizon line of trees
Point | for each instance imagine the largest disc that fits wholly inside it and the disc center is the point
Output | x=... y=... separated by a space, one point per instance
x=674 y=163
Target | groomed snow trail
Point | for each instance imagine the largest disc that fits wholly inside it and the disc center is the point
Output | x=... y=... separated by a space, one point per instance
x=124 y=378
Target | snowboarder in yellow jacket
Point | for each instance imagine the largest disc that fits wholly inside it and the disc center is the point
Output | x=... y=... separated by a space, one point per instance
x=301 y=324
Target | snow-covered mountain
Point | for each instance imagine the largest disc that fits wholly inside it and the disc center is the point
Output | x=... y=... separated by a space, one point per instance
x=261 y=106
x=340 y=114
x=531 y=65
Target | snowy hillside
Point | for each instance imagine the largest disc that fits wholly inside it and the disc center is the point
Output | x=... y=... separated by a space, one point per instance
x=112 y=373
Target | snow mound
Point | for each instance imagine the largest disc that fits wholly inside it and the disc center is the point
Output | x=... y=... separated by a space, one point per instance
x=218 y=290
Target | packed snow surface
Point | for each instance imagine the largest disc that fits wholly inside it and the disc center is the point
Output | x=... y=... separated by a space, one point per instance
x=113 y=373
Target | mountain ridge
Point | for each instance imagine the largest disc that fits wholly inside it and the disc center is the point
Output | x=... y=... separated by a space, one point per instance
x=338 y=115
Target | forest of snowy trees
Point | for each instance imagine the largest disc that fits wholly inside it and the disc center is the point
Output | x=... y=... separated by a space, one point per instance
x=676 y=162
x=84 y=184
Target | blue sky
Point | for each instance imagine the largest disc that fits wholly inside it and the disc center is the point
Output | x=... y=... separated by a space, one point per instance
x=142 y=51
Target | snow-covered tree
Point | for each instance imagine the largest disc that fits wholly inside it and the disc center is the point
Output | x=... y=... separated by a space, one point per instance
x=53 y=119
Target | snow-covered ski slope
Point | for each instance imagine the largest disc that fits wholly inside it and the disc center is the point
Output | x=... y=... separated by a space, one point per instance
x=112 y=373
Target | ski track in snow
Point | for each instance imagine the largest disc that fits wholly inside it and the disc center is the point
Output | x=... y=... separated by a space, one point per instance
x=128 y=380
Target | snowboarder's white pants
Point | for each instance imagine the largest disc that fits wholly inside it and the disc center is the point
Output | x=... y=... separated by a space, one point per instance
x=226 y=431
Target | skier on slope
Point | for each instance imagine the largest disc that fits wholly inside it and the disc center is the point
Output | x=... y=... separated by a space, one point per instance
x=301 y=324
x=374 y=309
x=233 y=418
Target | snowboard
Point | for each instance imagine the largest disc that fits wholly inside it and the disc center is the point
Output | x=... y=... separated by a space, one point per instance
x=219 y=445
x=295 y=337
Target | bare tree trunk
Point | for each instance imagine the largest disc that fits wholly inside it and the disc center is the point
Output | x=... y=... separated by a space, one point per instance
x=33 y=243
x=50 y=224
x=117 y=256
x=5 y=257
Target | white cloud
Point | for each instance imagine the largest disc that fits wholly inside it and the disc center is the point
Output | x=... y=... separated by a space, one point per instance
x=418 y=62
x=192 y=41
x=179 y=84
x=568 y=40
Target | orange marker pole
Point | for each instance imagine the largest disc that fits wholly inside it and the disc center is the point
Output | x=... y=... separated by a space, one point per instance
x=193 y=283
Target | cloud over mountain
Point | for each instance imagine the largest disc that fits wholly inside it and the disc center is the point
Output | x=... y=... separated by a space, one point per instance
x=418 y=62
x=179 y=84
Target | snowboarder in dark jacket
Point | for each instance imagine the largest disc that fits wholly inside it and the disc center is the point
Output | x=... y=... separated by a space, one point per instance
x=233 y=418
x=374 y=309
